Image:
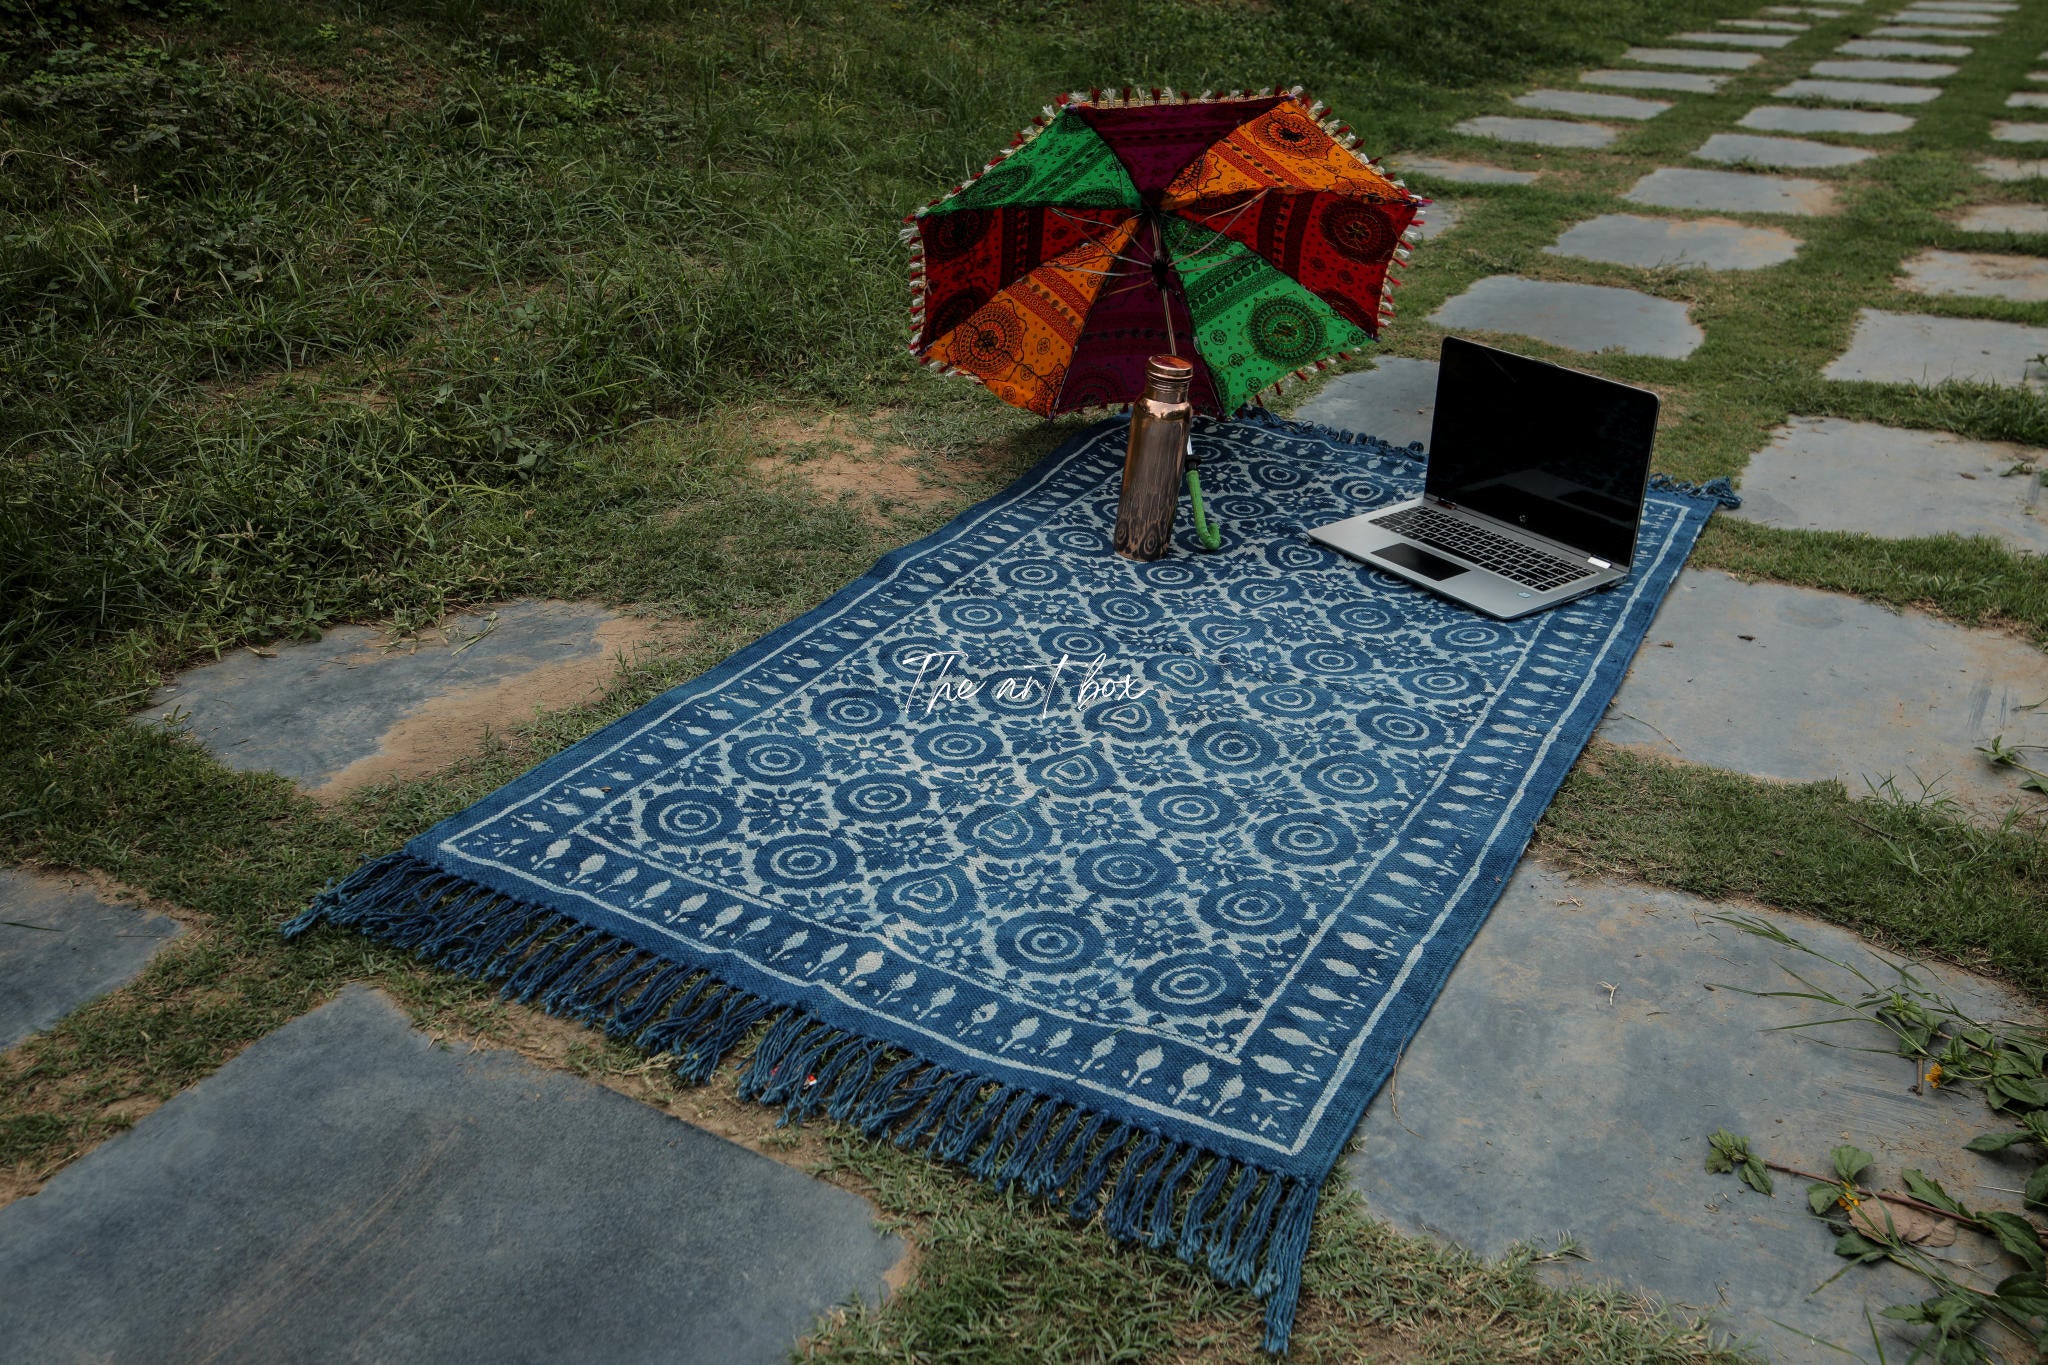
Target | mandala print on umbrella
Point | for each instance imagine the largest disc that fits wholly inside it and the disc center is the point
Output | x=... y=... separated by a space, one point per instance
x=1241 y=231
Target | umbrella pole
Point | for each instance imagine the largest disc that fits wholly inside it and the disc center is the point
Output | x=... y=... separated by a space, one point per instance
x=1165 y=297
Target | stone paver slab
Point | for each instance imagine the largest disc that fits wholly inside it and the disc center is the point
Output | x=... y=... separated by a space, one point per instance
x=1395 y=400
x=1464 y=172
x=2005 y=218
x=2007 y=170
x=2027 y=99
x=1986 y=23
x=1674 y=187
x=1579 y=317
x=1804 y=686
x=2019 y=132
x=1977 y=275
x=1919 y=31
x=1654 y=243
x=2037 y=75
x=1793 y=118
x=1591 y=104
x=348 y=1189
x=1568 y=1076
x=1913 y=348
x=1857 y=92
x=1766 y=25
x=1867 y=47
x=1537 y=132
x=1867 y=69
x=1744 y=149
x=1829 y=474
x=1436 y=218
x=1764 y=40
x=1816 y=12
x=1679 y=56
x=1967 y=6
x=62 y=944
x=1682 y=82
x=352 y=708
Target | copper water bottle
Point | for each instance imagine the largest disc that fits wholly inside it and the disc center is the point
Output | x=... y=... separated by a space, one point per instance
x=1152 y=461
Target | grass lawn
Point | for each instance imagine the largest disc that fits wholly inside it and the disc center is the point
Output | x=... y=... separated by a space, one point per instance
x=315 y=313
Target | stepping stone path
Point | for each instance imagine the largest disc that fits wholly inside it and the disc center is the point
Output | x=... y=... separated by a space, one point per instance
x=354 y=707
x=1963 y=274
x=1786 y=118
x=1732 y=192
x=1678 y=56
x=2009 y=171
x=1579 y=317
x=1858 y=92
x=1658 y=243
x=1766 y=25
x=348 y=1188
x=1682 y=82
x=2005 y=218
x=1465 y=172
x=1395 y=400
x=1910 y=348
x=2027 y=99
x=62 y=944
x=1590 y=104
x=1805 y=686
x=1867 y=70
x=1739 y=149
x=1827 y=474
x=1610 y=1053
x=1911 y=31
x=1538 y=132
x=2019 y=132
x=1735 y=39
x=1437 y=219
x=1868 y=48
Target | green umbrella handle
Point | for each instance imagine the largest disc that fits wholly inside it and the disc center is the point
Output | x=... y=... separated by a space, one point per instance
x=1211 y=536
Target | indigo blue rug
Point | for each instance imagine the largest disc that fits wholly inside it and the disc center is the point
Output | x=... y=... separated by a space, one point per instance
x=1124 y=883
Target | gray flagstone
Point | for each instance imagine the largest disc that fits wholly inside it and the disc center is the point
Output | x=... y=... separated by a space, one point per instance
x=1815 y=11
x=1792 y=118
x=2004 y=168
x=1395 y=400
x=1864 y=47
x=1439 y=217
x=1579 y=317
x=1734 y=39
x=1735 y=149
x=1674 y=187
x=1654 y=243
x=2019 y=132
x=2029 y=218
x=1807 y=686
x=350 y=1188
x=1591 y=104
x=2027 y=99
x=1866 y=70
x=1920 y=31
x=63 y=944
x=1858 y=92
x=1984 y=22
x=1582 y=1051
x=1538 y=132
x=1463 y=172
x=1828 y=474
x=1766 y=25
x=1679 y=56
x=1977 y=275
x=1915 y=348
x=1683 y=82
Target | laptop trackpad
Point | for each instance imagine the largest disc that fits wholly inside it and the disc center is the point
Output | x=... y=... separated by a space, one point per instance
x=1433 y=567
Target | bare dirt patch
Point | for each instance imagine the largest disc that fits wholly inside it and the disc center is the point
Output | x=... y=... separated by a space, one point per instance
x=832 y=455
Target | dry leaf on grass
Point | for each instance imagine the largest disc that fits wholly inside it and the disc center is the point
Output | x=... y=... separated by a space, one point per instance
x=1883 y=1222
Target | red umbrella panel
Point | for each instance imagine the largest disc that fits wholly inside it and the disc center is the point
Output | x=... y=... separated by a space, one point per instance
x=1241 y=231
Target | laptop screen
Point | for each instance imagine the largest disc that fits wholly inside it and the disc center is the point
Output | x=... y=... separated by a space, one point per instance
x=1564 y=454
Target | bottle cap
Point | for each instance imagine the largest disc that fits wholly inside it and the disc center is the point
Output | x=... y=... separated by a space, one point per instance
x=1167 y=377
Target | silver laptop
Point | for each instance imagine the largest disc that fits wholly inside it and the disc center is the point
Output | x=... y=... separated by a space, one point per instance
x=1533 y=492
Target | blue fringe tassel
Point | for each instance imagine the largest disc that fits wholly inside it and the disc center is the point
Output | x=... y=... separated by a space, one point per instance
x=1249 y=1226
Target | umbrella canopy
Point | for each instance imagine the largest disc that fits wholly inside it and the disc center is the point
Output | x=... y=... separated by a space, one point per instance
x=1241 y=231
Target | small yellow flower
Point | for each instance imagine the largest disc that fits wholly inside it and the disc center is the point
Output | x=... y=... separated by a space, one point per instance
x=1934 y=1074
x=1849 y=1200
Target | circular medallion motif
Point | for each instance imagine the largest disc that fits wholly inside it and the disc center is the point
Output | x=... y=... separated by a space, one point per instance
x=770 y=758
x=1124 y=870
x=688 y=817
x=1286 y=331
x=849 y=708
x=880 y=798
x=1358 y=230
x=955 y=746
x=1287 y=130
x=990 y=341
x=1190 y=986
x=1049 y=941
x=1345 y=777
x=802 y=860
x=955 y=310
x=1193 y=810
x=999 y=186
x=1309 y=840
x=1257 y=903
x=1232 y=748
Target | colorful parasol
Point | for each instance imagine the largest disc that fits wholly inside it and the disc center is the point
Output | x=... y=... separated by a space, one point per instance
x=1242 y=231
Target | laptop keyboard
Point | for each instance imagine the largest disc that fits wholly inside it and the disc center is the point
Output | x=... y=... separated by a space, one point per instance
x=1511 y=559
